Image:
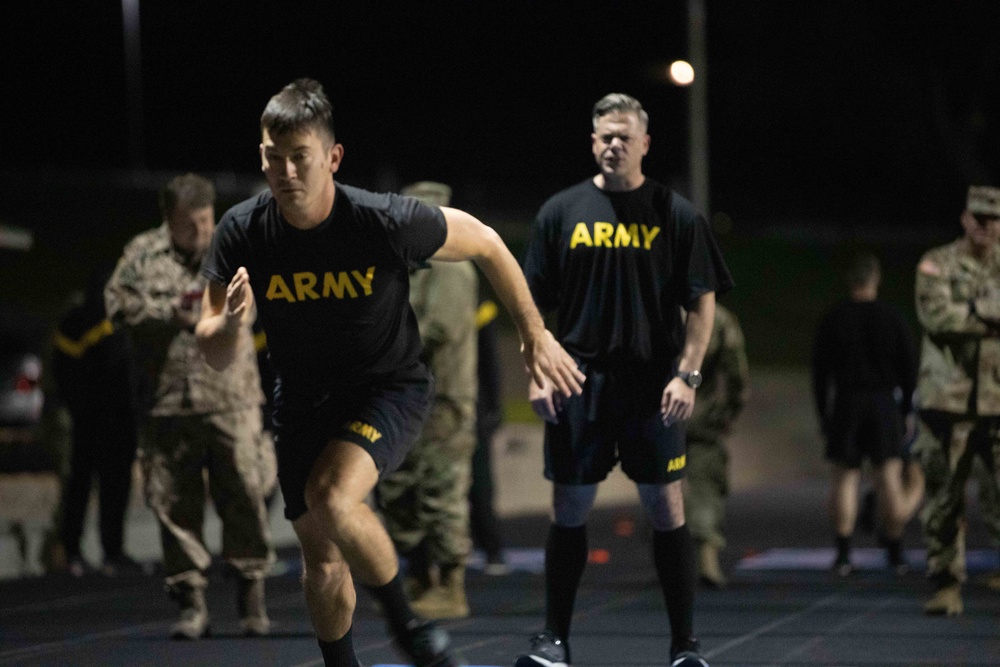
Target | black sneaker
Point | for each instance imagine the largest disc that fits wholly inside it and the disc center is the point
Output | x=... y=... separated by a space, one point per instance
x=688 y=657
x=427 y=645
x=842 y=567
x=546 y=650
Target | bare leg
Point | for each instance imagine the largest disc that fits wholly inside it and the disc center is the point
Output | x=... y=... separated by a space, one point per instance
x=326 y=579
x=339 y=535
x=889 y=482
x=844 y=499
x=341 y=479
x=913 y=488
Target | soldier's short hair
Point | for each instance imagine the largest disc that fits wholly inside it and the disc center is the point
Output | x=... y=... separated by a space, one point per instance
x=983 y=200
x=300 y=105
x=623 y=104
x=186 y=191
x=429 y=192
x=862 y=268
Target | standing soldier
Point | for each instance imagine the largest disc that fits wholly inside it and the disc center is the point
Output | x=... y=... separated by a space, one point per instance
x=723 y=393
x=93 y=370
x=197 y=418
x=958 y=303
x=425 y=501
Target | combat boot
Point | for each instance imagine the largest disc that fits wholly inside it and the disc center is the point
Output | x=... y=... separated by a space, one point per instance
x=947 y=601
x=417 y=583
x=446 y=600
x=253 y=613
x=193 y=620
x=708 y=566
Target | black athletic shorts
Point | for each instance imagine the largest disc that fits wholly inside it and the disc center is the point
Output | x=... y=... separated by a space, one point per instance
x=383 y=418
x=617 y=418
x=865 y=424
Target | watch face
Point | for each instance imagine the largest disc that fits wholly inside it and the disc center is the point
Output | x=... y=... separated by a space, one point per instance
x=693 y=379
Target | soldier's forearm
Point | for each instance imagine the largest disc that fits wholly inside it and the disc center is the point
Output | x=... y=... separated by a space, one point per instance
x=218 y=340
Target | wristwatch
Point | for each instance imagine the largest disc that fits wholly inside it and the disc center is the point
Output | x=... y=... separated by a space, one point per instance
x=692 y=378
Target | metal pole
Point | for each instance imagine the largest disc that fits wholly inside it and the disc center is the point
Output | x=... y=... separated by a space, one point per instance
x=698 y=106
x=133 y=82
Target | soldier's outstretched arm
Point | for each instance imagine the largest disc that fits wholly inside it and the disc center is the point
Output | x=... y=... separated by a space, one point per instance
x=224 y=310
x=468 y=238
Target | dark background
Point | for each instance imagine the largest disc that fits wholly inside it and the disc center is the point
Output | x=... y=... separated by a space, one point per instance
x=831 y=125
x=881 y=111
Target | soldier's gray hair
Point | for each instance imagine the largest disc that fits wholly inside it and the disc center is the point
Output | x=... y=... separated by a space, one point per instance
x=186 y=191
x=622 y=103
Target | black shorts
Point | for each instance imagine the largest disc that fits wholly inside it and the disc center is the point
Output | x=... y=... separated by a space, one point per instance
x=384 y=419
x=865 y=424
x=617 y=418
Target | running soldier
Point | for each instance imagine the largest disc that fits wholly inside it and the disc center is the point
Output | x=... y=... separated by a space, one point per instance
x=958 y=304
x=724 y=391
x=618 y=256
x=327 y=266
x=196 y=418
x=425 y=503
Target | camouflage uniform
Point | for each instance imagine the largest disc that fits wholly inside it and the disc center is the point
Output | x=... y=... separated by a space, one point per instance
x=721 y=397
x=197 y=418
x=959 y=395
x=425 y=501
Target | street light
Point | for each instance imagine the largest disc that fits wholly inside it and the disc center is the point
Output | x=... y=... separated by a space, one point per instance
x=133 y=81
x=681 y=73
x=698 y=106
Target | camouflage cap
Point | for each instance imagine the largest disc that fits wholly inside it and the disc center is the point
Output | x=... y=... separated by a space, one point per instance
x=429 y=192
x=984 y=200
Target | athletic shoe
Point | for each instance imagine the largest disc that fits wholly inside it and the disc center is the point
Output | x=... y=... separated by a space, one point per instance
x=427 y=645
x=842 y=567
x=547 y=650
x=78 y=567
x=688 y=657
x=495 y=566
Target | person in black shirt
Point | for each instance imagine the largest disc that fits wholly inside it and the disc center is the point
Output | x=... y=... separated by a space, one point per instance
x=326 y=266
x=617 y=257
x=93 y=366
x=865 y=353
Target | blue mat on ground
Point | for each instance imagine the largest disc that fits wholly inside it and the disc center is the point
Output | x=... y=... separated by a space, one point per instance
x=531 y=561
x=976 y=560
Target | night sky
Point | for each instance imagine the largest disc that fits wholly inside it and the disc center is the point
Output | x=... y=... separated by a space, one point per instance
x=819 y=111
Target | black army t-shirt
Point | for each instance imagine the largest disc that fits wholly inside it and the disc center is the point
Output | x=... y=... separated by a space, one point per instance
x=618 y=266
x=333 y=300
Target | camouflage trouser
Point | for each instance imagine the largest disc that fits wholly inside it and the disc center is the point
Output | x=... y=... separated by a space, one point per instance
x=705 y=489
x=946 y=449
x=176 y=452
x=426 y=499
x=268 y=461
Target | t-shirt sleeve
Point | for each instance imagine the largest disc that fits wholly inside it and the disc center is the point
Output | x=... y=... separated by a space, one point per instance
x=540 y=264
x=223 y=257
x=415 y=230
x=700 y=257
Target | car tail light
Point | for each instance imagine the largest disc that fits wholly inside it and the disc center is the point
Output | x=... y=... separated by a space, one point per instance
x=25 y=384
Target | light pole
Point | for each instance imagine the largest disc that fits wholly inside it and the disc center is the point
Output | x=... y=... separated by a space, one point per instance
x=133 y=82
x=698 y=107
